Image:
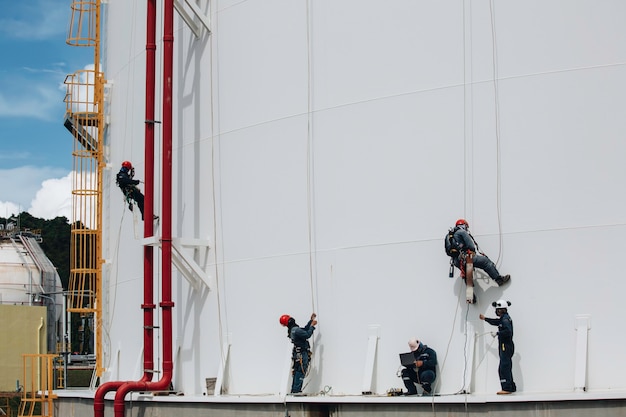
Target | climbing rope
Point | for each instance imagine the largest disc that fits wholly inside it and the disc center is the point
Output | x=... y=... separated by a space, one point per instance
x=496 y=92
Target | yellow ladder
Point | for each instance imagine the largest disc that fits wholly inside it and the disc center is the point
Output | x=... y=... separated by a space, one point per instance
x=84 y=118
x=37 y=395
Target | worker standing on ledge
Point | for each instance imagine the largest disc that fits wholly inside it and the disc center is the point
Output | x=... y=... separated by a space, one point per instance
x=506 y=348
x=301 y=353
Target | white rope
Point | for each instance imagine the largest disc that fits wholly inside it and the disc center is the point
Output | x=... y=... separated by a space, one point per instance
x=310 y=164
x=496 y=92
x=221 y=312
x=131 y=82
x=113 y=285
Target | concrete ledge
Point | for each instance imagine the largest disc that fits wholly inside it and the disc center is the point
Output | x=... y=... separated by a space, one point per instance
x=337 y=406
x=518 y=397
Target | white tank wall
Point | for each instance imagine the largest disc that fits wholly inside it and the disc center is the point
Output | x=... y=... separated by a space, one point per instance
x=342 y=209
x=19 y=280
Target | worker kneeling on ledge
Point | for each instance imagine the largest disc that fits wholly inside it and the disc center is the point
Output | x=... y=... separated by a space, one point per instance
x=422 y=371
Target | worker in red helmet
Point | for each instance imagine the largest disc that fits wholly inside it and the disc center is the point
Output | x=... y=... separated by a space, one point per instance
x=128 y=185
x=301 y=353
x=466 y=256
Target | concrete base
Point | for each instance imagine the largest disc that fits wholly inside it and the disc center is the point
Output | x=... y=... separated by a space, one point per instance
x=516 y=405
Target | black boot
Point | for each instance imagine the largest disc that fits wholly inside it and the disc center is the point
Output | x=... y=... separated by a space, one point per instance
x=503 y=279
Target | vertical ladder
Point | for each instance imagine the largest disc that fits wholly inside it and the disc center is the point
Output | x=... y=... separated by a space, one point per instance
x=84 y=119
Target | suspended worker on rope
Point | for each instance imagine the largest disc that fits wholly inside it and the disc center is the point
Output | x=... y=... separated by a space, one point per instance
x=128 y=185
x=301 y=353
x=465 y=255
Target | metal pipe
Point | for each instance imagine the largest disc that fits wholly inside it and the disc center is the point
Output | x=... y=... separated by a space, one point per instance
x=66 y=347
x=39 y=335
x=39 y=352
x=166 y=223
x=148 y=305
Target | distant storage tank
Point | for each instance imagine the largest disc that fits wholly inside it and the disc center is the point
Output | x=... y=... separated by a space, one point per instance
x=28 y=278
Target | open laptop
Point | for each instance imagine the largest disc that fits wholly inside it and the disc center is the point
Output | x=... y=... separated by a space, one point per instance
x=407 y=359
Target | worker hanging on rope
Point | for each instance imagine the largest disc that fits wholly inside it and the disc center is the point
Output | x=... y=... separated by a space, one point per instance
x=465 y=254
x=128 y=185
x=301 y=353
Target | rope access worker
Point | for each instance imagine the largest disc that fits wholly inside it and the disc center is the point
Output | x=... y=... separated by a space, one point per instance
x=423 y=371
x=506 y=348
x=128 y=185
x=301 y=353
x=468 y=256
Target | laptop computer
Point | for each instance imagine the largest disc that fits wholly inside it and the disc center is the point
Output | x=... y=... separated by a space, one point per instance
x=407 y=359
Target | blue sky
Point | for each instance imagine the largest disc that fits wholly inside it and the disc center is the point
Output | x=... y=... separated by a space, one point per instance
x=36 y=149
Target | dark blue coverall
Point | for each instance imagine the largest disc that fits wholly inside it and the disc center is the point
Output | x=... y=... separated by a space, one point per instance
x=128 y=186
x=424 y=375
x=301 y=354
x=506 y=349
x=466 y=243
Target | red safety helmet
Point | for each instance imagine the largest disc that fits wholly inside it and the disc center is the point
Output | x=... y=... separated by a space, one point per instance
x=284 y=319
x=462 y=222
x=127 y=165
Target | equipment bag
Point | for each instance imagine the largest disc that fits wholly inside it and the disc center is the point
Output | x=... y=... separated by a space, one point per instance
x=450 y=243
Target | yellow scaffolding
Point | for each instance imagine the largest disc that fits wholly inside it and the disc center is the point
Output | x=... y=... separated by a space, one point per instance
x=37 y=395
x=84 y=119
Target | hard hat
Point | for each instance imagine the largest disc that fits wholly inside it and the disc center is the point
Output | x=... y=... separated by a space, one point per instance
x=414 y=344
x=127 y=165
x=501 y=304
x=284 y=319
x=462 y=222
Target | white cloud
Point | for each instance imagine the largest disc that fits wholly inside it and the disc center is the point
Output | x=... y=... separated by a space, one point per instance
x=49 y=198
x=80 y=90
x=42 y=189
x=53 y=199
x=7 y=209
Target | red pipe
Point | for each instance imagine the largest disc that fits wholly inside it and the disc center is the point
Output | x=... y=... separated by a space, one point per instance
x=148 y=305
x=166 y=223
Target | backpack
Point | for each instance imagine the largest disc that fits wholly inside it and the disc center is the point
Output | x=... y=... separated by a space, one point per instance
x=451 y=244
